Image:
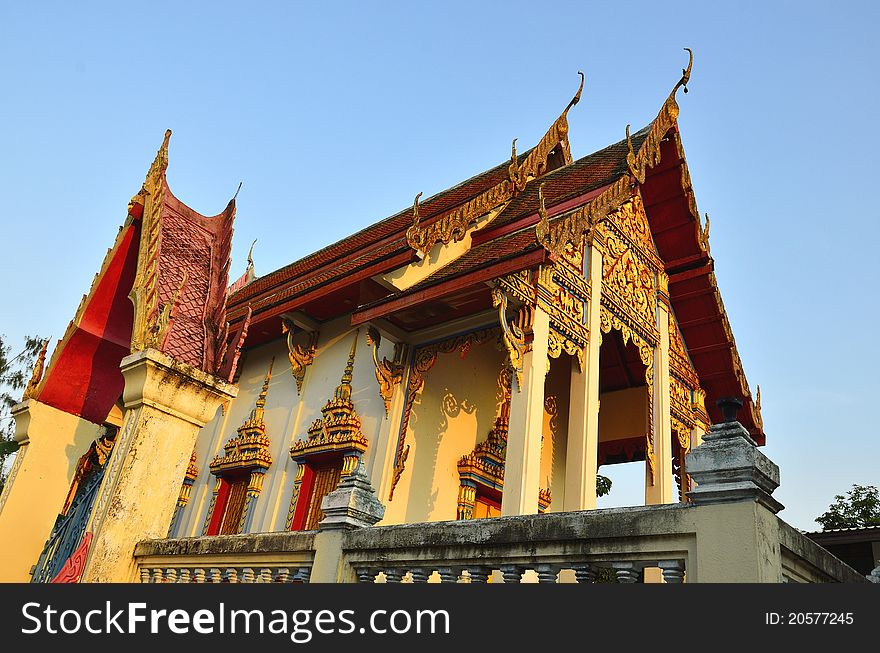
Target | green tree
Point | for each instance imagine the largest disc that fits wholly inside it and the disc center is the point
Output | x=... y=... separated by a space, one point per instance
x=860 y=507
x=15 y=373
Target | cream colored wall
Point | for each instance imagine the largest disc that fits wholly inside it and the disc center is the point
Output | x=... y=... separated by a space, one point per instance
x=623 y=414
x=455 y=410
x=52 y=444
x=288 y=417
x=556 y=385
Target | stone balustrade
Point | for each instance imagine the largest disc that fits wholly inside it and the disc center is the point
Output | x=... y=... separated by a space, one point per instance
x=161 y=574
x=728 y=532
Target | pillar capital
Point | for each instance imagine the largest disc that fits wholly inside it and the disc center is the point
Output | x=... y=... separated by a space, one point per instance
x=156 y=380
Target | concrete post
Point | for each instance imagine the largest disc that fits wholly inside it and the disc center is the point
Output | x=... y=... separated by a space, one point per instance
x=581 y=457
x=522 y=466
x=166 y=404
x=353 y=504
x=740 y=542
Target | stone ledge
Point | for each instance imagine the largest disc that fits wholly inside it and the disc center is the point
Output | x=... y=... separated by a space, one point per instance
x=257 y=543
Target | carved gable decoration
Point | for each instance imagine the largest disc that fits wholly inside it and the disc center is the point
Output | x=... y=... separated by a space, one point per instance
x=179 y=291
x=453 y=225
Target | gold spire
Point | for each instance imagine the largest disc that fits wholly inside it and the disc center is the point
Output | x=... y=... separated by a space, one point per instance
x=257 y=413
x=343 y=390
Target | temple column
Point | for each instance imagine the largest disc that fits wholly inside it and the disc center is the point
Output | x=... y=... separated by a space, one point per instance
x=51 y=442
x=581 y=458
x=166 y=403
x=661 y=489
x=522 y=467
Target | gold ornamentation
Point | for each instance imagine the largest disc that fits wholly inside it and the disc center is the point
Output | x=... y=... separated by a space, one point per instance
x=703 y=234
x=147 y=330
x=454 y=225
x=563 y=294
x=649 y=153
x=514 y=333
x=535 y=163
x=300 y=356
x=759 y=421
x=629 y=283
x=679 y=359
x=519 y=286
x=680 y=402
x=340 y=428
x=249 y=450
x=37 y=373
x=422 y=361
x=389 y=373
x=568 y=232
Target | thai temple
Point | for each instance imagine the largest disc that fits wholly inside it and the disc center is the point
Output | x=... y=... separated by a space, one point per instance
x=475 y=360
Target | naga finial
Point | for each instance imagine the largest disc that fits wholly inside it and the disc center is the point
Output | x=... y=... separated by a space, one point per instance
x=513 y=151
x=542 y=229
x=416 y=210
x=577 y=96
x=250 y=256
x=685 y=73
x=629 y=143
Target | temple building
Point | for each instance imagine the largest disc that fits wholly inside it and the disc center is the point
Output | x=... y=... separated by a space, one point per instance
x=482 y=353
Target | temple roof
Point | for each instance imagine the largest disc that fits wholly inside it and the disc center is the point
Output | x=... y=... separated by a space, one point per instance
x=344 y=277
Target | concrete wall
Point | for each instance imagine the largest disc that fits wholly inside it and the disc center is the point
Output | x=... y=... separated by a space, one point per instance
x=288 y=417
x=455 y=410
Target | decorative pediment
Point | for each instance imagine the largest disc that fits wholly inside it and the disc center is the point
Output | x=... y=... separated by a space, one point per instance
x=454 y=225
x=249 y=449
x=339 y=430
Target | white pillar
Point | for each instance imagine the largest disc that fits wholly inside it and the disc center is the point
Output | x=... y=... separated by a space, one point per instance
x=581 y=458
x=522 y=467
x=661 y=490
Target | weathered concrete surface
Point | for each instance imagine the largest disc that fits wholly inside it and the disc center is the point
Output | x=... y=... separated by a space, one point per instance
x=728 y=466
x=282 y=542
x=166 y=403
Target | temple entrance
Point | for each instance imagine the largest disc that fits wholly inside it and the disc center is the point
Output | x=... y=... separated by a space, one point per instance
x=624 y=420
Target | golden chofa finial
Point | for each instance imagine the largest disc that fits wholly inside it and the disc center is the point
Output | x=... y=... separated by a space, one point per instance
x=513 y=151
x=416 y=210
x=250 y=256
x=577 y=96
x=543 y=226
x=685 y=73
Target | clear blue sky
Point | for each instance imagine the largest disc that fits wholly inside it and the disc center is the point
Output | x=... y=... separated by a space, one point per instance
x=336 y=114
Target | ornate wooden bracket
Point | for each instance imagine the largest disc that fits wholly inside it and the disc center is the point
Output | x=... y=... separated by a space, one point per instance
x=514 y=333
x=300 y=356
x=388 y=373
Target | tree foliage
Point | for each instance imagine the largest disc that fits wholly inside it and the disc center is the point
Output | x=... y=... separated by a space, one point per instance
x=15 y=372
x=860 y=507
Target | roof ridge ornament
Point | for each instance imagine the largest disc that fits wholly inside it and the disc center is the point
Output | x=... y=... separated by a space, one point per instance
x=649 y=153
x=454 y=224
x=543 y=227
